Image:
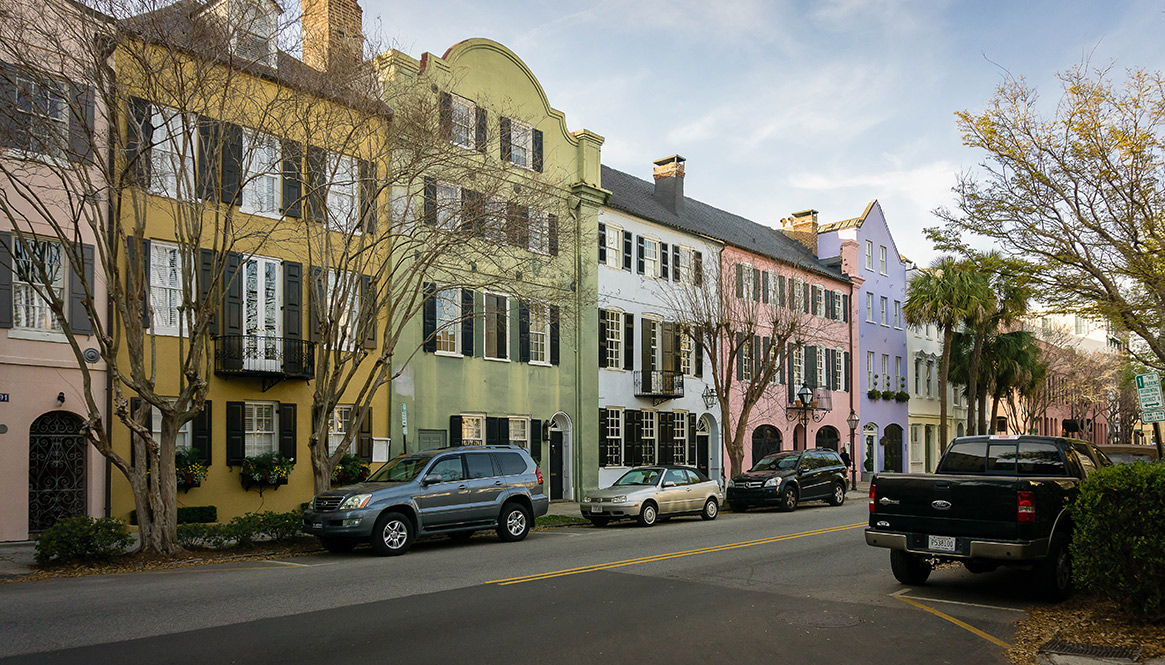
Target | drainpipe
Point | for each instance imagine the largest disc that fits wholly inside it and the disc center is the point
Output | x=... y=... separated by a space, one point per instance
x=852 y=404
x=576 y=467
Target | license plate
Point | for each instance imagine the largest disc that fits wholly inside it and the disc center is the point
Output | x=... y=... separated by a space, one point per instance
x=941 y=543
x=596 y=509
x=318 y=525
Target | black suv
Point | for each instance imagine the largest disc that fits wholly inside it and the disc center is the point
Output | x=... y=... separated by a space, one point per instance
x=785 y=479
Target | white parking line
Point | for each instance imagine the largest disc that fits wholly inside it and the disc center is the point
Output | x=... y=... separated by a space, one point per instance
x=903 y=593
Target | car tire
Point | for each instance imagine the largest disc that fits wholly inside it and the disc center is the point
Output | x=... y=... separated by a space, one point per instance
x=711 y=510
x=910 y=569
x=600 y=521
x=648 y=515
x=838 y=496
x=1054 y=574
x=514 y=523
x=392 y=535
x=738 y=507
x=336 y=545
x=789 y=500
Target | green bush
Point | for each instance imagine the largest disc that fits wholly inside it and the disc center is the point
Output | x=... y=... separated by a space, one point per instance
x=242 y=531
x=82 y=539
x=351 y=469
x=187 y=515
x=1118 y=547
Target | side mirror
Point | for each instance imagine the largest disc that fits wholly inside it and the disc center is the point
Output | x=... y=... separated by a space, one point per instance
x=668 y=483
x=432 y=479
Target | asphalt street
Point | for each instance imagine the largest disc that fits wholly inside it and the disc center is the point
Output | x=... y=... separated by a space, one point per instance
x=758 y=587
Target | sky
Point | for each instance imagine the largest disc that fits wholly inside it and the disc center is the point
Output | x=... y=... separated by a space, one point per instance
x=783 y=106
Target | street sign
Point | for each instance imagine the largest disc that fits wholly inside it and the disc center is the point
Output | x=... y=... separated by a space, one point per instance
x=1149 y=393
x=1155 y=416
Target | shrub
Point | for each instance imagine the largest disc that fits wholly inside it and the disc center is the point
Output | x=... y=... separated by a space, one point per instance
x=268 y=468
x=1118 y=547
x=82 y=539
x=349 y=470
x=187 y=514
x=242 y=531
x=902 y=396
x=889 y=395
x=874 y=394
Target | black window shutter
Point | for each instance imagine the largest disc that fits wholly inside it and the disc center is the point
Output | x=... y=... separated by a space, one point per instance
x=780 y=290
x=233 y=298
x=430 y=196
x=602 y=243
x=78 y=281
x=806 y=301
x=200 y=430
x=504 y=138
x=368 y=310
x=646 y=355
x=206 y=271
x=364 y=445
x=766 y=286
x=602 y=437
x=232 y=163
x=846 y=368
x=80 y=123
x=755 y=353
x=755 y=285
x=552 y=222
x=640 y=265
x=491 y=431
x=628 y=341
x=828 y=304
x=13 y=133
x=554 y=352
x=536 y=138
x=536 y=440
x=445 y=106
x=481 y=130
x=140 y=141
x=789 y=358
x=6 y=313
x=467 y=316
x=663 y=261
x=287 y=425
x=236 y=433
x=677 y=333
x=207 y=164
x=292 y=300
x=602 y=339
x=472 y=211
x=692 y=455
x=845 y=308
x=317 y=194
x=429 y=317
x=667 y=347
x=627 y=251
x=523 y=332
x=698 y=343
x=675 y=263
x=503 y=431
x=766 y=349
x=455 y=430
x=629 y=435
x=811 y=377
x=737 y=356
x=292 y=153
x=665 y=432
x=698 y=270
x=739 y=281
x=829 y=369
x=315 y=303
x=369 y=189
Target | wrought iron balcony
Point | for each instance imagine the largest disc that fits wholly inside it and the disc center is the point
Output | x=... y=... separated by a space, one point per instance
x=271 y=358
x=660 y=385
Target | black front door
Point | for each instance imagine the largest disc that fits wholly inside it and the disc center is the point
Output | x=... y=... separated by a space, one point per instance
x=893 y=440
x=56 y=469
x=555 y=464
x=703 y=452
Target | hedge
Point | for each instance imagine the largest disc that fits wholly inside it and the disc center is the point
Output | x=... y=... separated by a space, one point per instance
x=82 y=538
x=187 y=515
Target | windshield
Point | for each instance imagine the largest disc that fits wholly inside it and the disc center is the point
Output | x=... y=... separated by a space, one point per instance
x=777 y=462
x=639 y=477
x=401 y=469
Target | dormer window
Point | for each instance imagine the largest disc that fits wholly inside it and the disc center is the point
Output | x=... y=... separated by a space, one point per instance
x=254 y=26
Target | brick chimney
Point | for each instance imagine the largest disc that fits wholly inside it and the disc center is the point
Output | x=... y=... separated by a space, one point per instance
x=669 y=183
x=802 y=227
x=333 y=34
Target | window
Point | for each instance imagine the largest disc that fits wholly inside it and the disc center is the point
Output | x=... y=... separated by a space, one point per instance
x=647 y=447
x=614 y=330
x=915 y=444
x=343 y=195
x=28 y=308
x=869 y=255
x=262 y=313
x=886 y=372
x=899 y=379
x=650 y=258
x=870 y=370
x=261 y=435
x=839 y=370
x=1080 y=325
x=172 y=157
x=798 y=294
x=338 y=427
x=263 y=188
x=885 y=313
x=448 y=207
x=821 y=379
x=479 y=465
x=254 y=29
x=464 y=126
x=687 y=359
x=520 y=143
x=744 y=271
x=450 y=469
x=614 y=437
x=614 y=246
x=497 y=316
x=181 y=441
x=472 y=430
x=745 y=356
x=917 y=376
x=495 y=224
x=520 y=432
x=870 y=307
x=929 y=379
x=43 y=112
x=540 y=232
x=652 y=327
x=680 y=437
x=798 y=366
x=449 y=321
x=539 y=334
x=898 y=314
x=684 y=267
x=837 y=314
x=165 y=288
x=819 y=301
x=882 y=259
x=343 y=298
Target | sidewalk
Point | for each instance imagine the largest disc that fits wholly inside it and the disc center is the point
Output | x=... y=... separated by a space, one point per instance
x=17 y=558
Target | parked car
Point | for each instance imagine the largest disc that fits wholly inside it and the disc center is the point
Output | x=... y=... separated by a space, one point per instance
x=1129 y=453
x=454 y=491
x=999 y=500
x=647 y=493
x=786 y=479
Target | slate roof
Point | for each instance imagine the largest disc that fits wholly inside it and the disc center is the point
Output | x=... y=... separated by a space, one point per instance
x=637 y=197
x=853 y=223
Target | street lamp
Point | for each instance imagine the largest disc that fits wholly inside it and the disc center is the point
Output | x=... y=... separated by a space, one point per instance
x=852 y=421
x=803 y=408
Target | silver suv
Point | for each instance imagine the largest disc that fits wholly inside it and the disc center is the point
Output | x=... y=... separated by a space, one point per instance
x=454 y=491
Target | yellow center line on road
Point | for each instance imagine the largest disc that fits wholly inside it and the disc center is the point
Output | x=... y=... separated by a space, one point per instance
x=961 y=624
x=673 y=555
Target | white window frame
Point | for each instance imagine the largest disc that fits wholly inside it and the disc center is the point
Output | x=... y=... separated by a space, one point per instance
x=898 y=314
x=448 y=206
x=898 y=374
x=448 y=324
x=839 y=369
x=798 y=294
x=522 y=422
x=886 y=372
x=44 y=111
x=263 y=182
x=614 y=443
x=821 y=378
x=680 y=437
x=614 y=247
x=613 y=329
x=870 y=370
x=819 y=301
x=1081 y=328
x=260 y=27
x=253 y=428
x=687 y=353
x=650 y=257
x=338 y=426
x=650 y=432
x=492 y=321
x=521 y=144
x=470 y=422
x=262 y=345
x=166 y=290
x=687 y=260
x=31 y=312
x=869 y=307
x=837 y=314
x=918 y=377
x=539 y=334
x=539 y=240
x=463 y=109
x=885 y=305
x=747 y=281
x=494 y=226
x=870 y=255
x=344 y=194
x=347 y=308
x=745 y=356
x=930 y=378
x=172 y=156
x=882 y=259
x=798 y=366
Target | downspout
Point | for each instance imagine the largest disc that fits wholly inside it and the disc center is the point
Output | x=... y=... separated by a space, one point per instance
x=853 y=355
x=576 y=446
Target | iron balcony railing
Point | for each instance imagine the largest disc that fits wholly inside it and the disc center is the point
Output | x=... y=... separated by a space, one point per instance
x=659 y=384
x=265 y=356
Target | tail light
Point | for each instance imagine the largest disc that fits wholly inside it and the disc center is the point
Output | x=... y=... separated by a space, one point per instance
x=871 y=497
x=1025 y=507
x=538 y=472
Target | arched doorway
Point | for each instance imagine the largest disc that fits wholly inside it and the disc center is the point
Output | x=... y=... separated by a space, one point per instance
x=560 y=440
x=56 y=469
x=704 y=429
x=892 y=456
x=870 y=438
x=960 y=430
x=766 y=440
x=827 y=437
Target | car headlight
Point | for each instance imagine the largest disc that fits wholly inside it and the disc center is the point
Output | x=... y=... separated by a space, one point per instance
x=586 y=499
x=356 y=501
x=732 y=483
x=773 y=482
x=619 y=499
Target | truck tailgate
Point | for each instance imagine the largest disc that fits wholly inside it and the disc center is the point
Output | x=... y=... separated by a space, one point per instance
x=946 y=505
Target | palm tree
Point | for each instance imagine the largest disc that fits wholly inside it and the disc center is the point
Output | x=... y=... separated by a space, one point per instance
x=943 y=295
x=1016 y=366
x=1005 y=298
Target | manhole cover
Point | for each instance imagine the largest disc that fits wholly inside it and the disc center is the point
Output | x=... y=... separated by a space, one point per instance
x=822 y=619
x=1074 y=649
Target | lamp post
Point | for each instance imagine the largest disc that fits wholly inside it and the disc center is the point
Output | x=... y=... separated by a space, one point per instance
x=852 y=421
x=804 y=396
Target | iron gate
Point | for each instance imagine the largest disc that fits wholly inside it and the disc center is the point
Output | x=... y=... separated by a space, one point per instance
x=56 y=469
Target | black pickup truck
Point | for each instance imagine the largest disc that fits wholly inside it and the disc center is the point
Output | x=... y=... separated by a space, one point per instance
x=993 y=500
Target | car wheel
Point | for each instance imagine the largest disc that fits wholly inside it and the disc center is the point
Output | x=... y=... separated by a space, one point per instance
x=909 y=568
x=711 y=510
x=392 y=535
x=789 y=500
x=838 y=496
x=738 y=507
x=600 y=521
x=336 y=545
x=648 y=515
x=1054 y=574
x=514 y=523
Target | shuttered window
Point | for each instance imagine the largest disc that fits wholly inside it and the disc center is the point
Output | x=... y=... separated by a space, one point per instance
x=29 y=310
x=263 y=188
x=260 y=428
x=172 y=156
